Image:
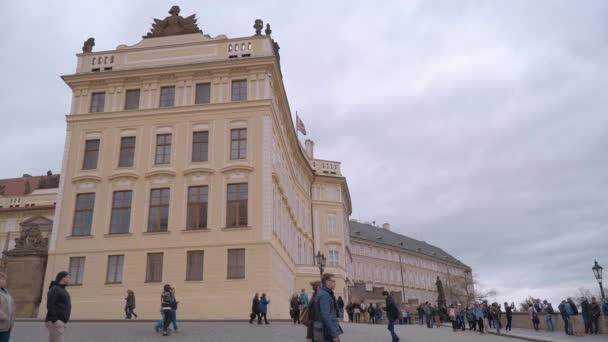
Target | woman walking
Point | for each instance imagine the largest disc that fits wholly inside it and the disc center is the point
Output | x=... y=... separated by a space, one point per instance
x=130 y=304
x=255 y=309
x=294 y=310
x=452 y=315
x=166 y=300
x=7 y=310
x=312 y=314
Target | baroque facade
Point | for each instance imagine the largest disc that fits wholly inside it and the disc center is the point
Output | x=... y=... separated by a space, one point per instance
x=182 y=166
x=383 y=258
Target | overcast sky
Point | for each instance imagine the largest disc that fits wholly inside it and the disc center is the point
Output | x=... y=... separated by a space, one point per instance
x=480 y=127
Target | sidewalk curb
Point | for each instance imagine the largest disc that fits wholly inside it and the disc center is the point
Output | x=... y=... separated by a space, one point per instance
x=519 y=337
x=144 y=320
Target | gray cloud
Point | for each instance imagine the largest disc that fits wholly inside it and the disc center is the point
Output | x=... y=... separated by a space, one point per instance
x=474 y=126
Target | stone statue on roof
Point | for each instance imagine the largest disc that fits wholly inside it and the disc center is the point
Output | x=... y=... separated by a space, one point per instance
x=173 y=25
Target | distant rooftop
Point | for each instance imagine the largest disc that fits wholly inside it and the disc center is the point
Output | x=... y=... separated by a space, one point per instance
x=369 y=232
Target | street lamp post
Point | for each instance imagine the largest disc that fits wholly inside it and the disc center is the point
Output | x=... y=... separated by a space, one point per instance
x=597 y=272
x=321 y=262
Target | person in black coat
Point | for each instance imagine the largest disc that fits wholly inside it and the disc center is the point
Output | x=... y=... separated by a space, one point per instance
x=58 y=306
x=255 y=309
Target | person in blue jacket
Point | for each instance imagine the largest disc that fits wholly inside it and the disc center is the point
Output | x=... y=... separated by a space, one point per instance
x=263 y=309
x=327 y=309
x=478 y=314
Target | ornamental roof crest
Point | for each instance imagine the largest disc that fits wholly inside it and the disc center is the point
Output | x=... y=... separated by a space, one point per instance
x=173 y=25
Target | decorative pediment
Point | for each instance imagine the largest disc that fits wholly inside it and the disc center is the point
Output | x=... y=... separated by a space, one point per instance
x=160 y=177
x=123 y=178
x=86 y=181
x=36 y=221
x=173 y=25
x=198 y=174
x=237 y=171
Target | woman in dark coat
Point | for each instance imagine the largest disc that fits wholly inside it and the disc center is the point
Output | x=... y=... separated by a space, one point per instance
x=316 y=285
x=255 y=309
x=130 y=304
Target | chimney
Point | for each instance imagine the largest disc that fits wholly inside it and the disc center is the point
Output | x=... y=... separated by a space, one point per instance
x=309 y=147
x=386 y=226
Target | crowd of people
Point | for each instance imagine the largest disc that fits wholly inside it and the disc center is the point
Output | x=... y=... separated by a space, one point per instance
x=322 y=313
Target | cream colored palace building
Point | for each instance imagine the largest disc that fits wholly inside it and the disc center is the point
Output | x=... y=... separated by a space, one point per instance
x=182 y=166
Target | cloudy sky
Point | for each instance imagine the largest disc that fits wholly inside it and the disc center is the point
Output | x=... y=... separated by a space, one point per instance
x=480 y=127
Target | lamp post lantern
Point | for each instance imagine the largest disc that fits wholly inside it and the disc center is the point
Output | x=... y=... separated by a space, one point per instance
x=321 y=262
x=597 y=272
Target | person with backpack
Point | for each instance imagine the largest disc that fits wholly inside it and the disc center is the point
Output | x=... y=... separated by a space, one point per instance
x=166 y=301
x=470 y=318
x=392 y=314
x=255 y=309
x=420 y=312
x=496 y=313
x=371 y=310
x=326 y=327
x=263 y=309
x=350 y=311
x=309 y=313
x=548 y=309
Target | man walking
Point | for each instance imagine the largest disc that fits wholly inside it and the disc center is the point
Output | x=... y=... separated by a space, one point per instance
x=478 y=314
x=326 y=310
x=420 y=311
x=58 y=306
x=564 y=314
x=7 y=310
x=263 y=309
x=392 y=314
x=509 y=314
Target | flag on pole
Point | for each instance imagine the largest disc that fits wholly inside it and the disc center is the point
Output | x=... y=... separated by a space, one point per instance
x=300 y=125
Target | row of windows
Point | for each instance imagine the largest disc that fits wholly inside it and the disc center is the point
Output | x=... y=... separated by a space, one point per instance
x=158 y=213
x=200 y=148
x=202 y=95
x=195 y=266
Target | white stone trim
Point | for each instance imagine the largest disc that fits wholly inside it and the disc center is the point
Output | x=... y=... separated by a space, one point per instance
x=62 y=178
x=267 y=177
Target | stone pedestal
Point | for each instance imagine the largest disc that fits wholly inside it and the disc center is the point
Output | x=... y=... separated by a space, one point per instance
x=25 y=270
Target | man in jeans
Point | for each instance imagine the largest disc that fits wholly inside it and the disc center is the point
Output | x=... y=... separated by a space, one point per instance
x=392 y=314
x=326 y=309
x=548 y=309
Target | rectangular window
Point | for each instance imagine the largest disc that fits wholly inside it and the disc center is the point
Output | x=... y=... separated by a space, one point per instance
x=121 y=212
x=238 y=143
x=236 y=263
x=132 y=99
x=163 y=149
x=154 y=268
x=127 y=152
x=77 y=270
x=197 y=207
x=236 y=207
x=334 y=259
x=83 y=216
x=97 y=102
x=203 y=93
x=167 y=96
x=195 y=265
x=114 y=271
x=91 y=153
x=331 y=225
x=158 y=218
x=239 y=90
x=200 y=146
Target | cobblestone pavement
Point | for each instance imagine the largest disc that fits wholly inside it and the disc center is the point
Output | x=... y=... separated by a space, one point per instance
x=236 y=332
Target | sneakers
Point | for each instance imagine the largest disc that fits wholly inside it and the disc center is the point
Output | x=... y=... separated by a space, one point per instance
x=177 y=331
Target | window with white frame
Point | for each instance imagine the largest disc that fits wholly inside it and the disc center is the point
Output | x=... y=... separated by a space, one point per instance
x=334 y=259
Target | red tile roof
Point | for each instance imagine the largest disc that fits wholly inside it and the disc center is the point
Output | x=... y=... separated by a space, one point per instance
x=16 y=186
